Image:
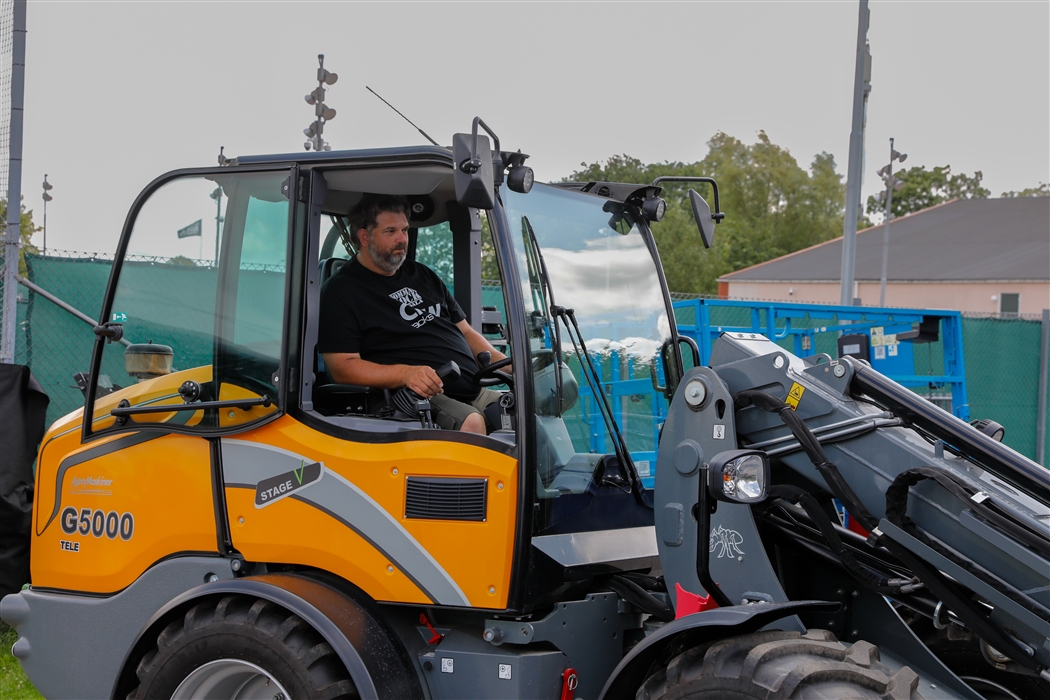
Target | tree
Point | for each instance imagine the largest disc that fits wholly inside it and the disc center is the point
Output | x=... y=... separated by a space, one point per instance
x=1043 y=190
x=925 y=188
x=25 y=234
x=772 y=207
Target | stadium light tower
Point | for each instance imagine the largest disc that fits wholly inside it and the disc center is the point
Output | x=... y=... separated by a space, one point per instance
x=322 y=112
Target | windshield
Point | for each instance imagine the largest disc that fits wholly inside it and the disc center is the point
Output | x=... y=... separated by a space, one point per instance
x=587 y=254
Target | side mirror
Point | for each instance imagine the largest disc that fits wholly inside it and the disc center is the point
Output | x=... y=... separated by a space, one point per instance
x=473 y=176
x=704 y=221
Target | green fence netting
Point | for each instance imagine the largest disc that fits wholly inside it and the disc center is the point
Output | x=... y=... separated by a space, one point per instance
x=1002 y=355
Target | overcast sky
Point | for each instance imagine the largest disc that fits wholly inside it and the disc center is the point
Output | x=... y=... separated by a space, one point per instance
x=118 y=93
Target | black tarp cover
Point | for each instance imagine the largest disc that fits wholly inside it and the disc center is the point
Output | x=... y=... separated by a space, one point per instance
x=23 y=407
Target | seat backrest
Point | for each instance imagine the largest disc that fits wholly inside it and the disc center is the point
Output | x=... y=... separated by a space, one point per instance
x=328 y=267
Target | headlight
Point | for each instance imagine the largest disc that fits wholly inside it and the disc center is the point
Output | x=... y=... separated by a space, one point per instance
x=739 y=476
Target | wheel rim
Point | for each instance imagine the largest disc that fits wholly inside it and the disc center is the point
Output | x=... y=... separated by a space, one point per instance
x=230 y=679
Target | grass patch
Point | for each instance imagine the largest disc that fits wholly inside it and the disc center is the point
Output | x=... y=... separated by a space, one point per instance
x=13 y=682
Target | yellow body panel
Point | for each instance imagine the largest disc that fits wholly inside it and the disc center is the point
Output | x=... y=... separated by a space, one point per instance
x=293 y=532
x=476 y=555
x=158 y=391
x=231 y=417
x=122 y=503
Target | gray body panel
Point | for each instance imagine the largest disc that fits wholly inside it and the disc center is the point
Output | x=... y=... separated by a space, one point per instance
x=245 y=464
x=870 y=452
x=73 y=646
x=590 y=632
x=463 y=667
x=738 y=562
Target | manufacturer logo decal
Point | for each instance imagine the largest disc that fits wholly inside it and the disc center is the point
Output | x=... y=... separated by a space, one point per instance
x=726 y=542
x=91 y=485
x=277 y=487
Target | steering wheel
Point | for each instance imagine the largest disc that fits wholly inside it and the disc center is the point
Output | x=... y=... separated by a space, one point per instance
x=490 y=374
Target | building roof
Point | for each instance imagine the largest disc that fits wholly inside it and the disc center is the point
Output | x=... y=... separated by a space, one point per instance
x=960 y=240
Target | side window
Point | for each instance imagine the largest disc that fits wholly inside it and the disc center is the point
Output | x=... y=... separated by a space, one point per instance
x=200 y=296
x=434 y=249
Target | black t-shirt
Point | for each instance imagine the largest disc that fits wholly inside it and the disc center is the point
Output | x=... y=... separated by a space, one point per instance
x=407 y=318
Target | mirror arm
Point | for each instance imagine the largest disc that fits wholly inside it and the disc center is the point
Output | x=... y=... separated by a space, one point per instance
x=473 y=164
x=717 y=215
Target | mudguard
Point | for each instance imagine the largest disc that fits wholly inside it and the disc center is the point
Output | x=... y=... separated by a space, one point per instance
x=378 y=665
x=693 y=630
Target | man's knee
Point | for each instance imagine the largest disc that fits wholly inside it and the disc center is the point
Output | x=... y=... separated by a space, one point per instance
x=474 y=423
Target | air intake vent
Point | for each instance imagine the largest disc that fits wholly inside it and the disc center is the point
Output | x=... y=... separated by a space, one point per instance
x=435 y=498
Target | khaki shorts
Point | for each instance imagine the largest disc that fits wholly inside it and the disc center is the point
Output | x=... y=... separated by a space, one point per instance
x=450 y=414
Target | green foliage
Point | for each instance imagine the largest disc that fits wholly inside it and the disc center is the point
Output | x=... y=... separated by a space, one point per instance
x=182 y=260
x=1043 y=190
x=13 y=682
x=772 y=207
x=26 y=230
x=489 y=266
x=925 y=188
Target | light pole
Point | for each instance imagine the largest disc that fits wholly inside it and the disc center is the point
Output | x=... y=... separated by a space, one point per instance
x=855 y=175
x=892 y=183
x=47 y=198
x=323 y=112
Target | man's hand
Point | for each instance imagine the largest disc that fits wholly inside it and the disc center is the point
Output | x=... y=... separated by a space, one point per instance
x=422 y=380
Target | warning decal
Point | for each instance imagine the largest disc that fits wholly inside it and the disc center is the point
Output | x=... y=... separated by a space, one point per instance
x=795 y=395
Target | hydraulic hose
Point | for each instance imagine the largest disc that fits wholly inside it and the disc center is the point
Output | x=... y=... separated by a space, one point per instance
x=813 y=449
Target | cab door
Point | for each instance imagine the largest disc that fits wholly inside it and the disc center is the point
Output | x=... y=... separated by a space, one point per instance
x=189 y=349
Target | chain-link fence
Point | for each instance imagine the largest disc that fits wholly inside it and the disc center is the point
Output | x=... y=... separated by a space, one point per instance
x=1001 y=355
x=1002 y=374
x=7 y=25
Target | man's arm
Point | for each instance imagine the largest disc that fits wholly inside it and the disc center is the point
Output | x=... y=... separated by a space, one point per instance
x=349 y=368
x=477 y=342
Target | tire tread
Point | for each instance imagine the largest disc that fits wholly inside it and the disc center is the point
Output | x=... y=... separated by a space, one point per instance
x=778 y=665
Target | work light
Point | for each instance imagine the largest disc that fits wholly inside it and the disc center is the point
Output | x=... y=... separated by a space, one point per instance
x=739 y=476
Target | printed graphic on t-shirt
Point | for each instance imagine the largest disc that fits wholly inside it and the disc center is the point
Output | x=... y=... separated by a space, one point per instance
x=410 y=299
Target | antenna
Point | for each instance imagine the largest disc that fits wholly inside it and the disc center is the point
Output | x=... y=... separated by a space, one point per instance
x=425 y=135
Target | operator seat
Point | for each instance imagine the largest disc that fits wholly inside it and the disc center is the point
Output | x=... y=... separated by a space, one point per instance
x=331 y=398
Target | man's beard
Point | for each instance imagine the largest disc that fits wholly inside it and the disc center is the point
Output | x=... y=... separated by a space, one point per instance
x=388 y=262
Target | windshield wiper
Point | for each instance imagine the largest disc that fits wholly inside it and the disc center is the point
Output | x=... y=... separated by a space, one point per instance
x=594 y=378
x=545 y=283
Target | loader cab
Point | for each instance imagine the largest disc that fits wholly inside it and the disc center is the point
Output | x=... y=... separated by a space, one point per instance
x=225 y=266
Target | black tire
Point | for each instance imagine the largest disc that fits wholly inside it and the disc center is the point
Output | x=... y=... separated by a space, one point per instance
x=272 y=649
x=780 y=666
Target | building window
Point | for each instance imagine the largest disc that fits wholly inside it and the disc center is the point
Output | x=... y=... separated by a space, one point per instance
x=1009 y=305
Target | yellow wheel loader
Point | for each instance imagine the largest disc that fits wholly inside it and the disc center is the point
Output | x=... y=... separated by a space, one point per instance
x=231 y=523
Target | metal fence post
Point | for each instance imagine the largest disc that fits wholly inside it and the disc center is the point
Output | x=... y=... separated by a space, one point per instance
x=14 y=185
x=1044 y=370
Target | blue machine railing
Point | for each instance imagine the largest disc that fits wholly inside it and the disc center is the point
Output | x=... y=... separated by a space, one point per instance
x=804 y=329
